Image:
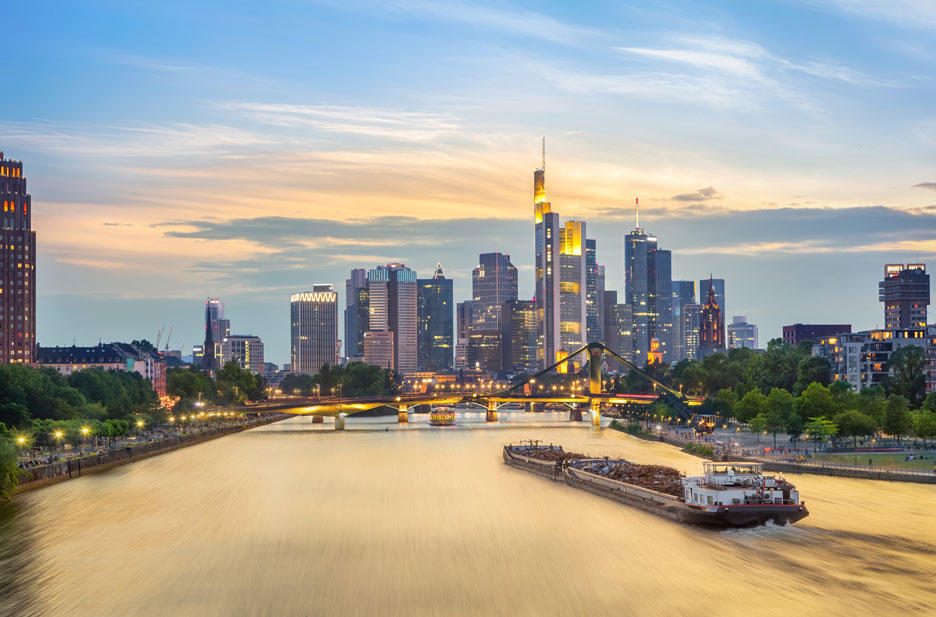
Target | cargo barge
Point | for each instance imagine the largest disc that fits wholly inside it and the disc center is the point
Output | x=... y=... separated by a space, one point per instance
x=727 y=495
x=442 y=416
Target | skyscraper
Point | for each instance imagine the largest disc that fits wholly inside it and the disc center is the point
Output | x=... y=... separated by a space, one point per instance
x=683 y=294
x=216 y=329
x=719 y=285
x=690 y=330
x=741 y=333
x=493 y=283
x=905 y=292
x=648 y=289
x=354 y=325
x=245 y=350
x=519 y=336
x=573 y=287
x=712 y=325
x=546 y=269
x=392 y=299
x=17 y=268
x=434 y=310
x=314 y=329
x=594 y=293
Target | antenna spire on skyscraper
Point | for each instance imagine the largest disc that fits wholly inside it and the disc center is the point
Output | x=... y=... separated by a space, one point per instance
x=636 y=212
x=544 y=153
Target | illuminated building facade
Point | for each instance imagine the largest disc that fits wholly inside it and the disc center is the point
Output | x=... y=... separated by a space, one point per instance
x=711 y=326
x=216 y=329
x=618 y=321
x=519 y=336
x=392 y=305
x=355 y=314
x=434 y=311
x=594 y=293
x=861 y=358
x=797 y=333
x=741 y=333
x=719 y=286
x=573 y=288
x=493 y=283
x=314 y=329
x=245 y=350
x=546 y=269
x=690 y=330
x=378 y=348
x=905 y=292
x=648 y=289
x=17 y=268
x=683 y=294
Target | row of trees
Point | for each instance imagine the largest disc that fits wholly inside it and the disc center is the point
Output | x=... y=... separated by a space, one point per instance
x=354 y=379
x=233 y=385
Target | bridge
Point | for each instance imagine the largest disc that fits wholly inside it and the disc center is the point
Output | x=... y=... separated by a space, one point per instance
x=593 y=400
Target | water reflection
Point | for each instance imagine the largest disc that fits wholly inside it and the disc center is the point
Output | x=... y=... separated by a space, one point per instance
x=297 y=519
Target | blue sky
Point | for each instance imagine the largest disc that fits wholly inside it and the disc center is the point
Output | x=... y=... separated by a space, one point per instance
x=247 y=150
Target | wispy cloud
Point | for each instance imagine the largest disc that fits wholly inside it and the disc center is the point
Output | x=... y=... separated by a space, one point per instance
x=497 y=18
x=907 y=13
x=702 y=59
x=700 y=195
x=926 y=185
x=368 y=121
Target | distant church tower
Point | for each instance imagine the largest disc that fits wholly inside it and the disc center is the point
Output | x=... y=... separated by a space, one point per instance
x=712 y=327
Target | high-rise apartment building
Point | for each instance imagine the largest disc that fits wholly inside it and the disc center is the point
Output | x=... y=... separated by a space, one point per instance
x=17 y=268
x=392 y=299
x=594 y=293
x=905 y=292
x=355 y=313
x=648 y=289
x=434 y=310
x=712 y=325
x=741 y=333
x=719 y=285
x=216 y=329
x=245 y=350
x=314 y=329
x=518 y=336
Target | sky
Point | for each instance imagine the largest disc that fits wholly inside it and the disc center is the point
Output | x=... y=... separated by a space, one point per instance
x=177 y=150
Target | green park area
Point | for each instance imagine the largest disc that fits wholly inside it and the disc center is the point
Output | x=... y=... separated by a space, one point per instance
x=924 y=461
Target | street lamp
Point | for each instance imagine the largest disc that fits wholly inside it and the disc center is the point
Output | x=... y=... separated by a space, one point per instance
x=58 y=436
x=84 y=436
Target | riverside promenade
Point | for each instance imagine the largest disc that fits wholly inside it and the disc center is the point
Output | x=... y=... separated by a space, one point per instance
x=57 y=471
x=789 y=464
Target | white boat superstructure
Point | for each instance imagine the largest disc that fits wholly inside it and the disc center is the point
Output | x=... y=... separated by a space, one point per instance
x=738 y=484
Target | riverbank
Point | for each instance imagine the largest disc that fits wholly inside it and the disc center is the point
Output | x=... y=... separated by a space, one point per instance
x=58 y=471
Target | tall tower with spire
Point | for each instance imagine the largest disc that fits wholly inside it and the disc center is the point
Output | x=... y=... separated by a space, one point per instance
x=712 y=327
x=547 y=243
x=648 y=291
x=434 y=322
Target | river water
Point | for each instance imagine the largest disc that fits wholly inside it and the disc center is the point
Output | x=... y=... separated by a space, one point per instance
x=297 y=519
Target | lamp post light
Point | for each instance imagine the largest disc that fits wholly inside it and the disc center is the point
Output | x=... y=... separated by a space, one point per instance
x=84 y=436
x=58 y=436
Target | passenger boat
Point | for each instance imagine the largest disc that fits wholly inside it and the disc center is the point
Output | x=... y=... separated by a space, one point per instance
x=726 y=495
x=442 y=416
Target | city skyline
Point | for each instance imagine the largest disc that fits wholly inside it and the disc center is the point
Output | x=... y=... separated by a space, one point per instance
x=179 y=171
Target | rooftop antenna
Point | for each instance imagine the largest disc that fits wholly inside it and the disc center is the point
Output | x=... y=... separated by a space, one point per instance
x=544 y=153
x=637 y=212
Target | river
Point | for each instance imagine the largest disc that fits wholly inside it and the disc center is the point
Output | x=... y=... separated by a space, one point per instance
x=294 y=518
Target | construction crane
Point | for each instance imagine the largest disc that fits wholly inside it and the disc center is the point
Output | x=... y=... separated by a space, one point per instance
x=168 y=337
x=159 y=332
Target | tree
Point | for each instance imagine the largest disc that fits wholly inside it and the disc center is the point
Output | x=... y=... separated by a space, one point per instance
x=794 y=426
x=725 y=402
x=779 y=409
x=759 y=425
x=907 y=374
x=752 y=404
x=820 y=430
x=812 y=369
x=854 y=424
x=924 y=422
x=897 y=416
x=815 y=402
x=9 y=469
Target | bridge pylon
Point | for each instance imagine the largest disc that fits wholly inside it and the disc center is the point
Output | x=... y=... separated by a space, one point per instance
x=402 y=413
x=491 y=412
x=339 y=421
x=575 y=413
x=594 y=407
